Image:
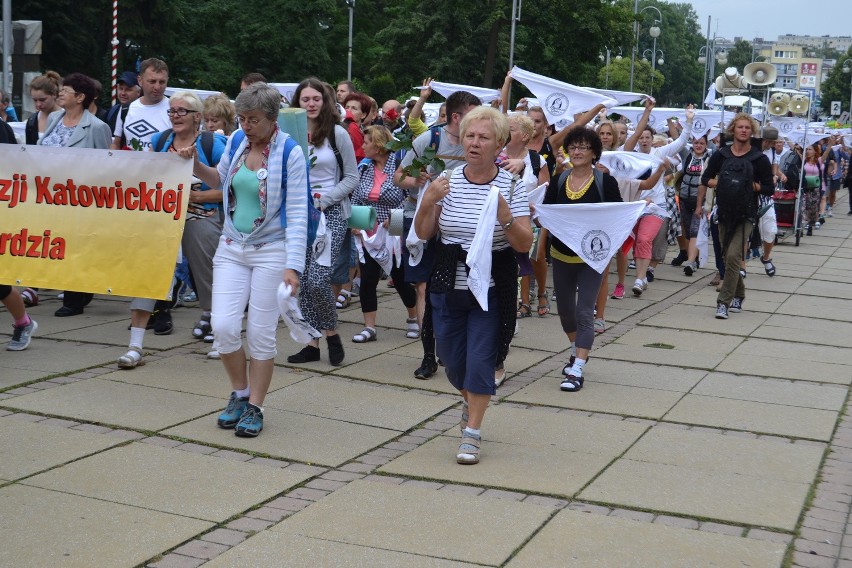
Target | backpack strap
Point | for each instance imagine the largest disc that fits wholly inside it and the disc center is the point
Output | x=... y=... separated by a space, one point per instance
x=599 y=180
x=207 y=139
x=535 y=162
x=236 y=140
x=289 y=145
x=332 y=140
x=161 y=139
x=435 y=136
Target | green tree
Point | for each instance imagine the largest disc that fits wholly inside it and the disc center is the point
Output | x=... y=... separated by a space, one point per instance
x=837 y=85
x=619 y=76
x=740 y=55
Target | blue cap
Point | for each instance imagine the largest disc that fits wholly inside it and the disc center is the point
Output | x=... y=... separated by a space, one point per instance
x=128 y=78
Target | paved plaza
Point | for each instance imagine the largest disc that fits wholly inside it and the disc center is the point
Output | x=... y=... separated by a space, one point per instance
x=695 y=441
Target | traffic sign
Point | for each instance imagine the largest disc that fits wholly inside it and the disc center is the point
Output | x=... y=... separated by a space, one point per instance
x=835 y=108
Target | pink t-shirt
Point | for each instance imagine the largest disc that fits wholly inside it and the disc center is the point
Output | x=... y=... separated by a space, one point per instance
x=379 y=178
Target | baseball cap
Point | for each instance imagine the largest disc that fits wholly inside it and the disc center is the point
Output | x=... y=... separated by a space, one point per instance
x=128 y=78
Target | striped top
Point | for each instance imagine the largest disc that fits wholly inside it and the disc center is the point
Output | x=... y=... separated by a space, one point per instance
x=460 y=212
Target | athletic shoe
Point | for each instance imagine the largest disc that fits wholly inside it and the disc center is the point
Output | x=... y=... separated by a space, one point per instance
x=680 y=258
x=618 y=293
x=690 y=268
x=213 y=354
x=426 y=369
x=600 y=326
x=736 y=306
x=21 y=336
x=819 y=223
x=721 y=311
x=829 y=212
x=30 y=297
x=649 y=275
x=251 y=422
x=639 y=287
x=632 y=264
x=233 y=412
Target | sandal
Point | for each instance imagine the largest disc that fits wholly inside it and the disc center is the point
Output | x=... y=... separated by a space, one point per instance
x=365 y=335
x=543 y=310
x=524 y=311
x=131 y=359
x=743 y=273
x=768 y=266
x=468 y=451
x=571 y=384
x=202 y=329
x=343 y=299
x=413 y=331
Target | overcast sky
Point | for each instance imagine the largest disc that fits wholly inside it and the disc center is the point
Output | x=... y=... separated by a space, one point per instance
x=770 y=18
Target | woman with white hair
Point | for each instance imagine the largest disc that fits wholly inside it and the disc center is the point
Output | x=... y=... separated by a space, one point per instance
x=469 y=338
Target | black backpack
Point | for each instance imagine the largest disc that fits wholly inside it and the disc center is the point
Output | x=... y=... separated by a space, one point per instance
x=735 y=199
x=791 y=166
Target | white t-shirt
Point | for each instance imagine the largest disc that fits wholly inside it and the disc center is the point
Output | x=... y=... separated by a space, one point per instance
x=142 y=122
x=774 y=157
x=460 y=213
x=324 y=174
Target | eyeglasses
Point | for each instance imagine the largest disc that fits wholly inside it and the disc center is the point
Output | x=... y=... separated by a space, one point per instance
x=582 y=148
x=249 y=121
x=179 y=111
x=68 y=91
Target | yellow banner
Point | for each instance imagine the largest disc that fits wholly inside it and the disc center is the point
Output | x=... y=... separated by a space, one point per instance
x=102 y=221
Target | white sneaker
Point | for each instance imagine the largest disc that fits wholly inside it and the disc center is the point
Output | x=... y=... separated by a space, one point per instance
x=213 y=354
x=638 y=287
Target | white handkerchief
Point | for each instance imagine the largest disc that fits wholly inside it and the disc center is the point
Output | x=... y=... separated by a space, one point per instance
x=447 y=89
x=560 y=101
x=702 y=241
x=300 y=330
x=377 y=246
x=594 y=231
x=322 y=243
x=413 y=243
x=629 y=165
x=536 y=196
x=621 y=97
x=479 y=254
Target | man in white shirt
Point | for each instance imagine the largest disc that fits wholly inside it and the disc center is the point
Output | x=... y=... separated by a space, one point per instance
x=147 y=114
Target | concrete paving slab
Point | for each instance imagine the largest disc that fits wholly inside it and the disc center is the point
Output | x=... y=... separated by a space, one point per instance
x=271 y=549
x=111 y=402
x=772 y=391
x=795 y=351
x=600 y=397
x=701 y=318
x=525 y=450
x=818 y=307
x=60 y=357
x=396 y=369
x=293 y=436
x=97 y=313
x=677 y=357
x=65 y=530
x=30 y=447
x=757 y=301
x=10 y=376
x=781 y=282
x=694 y=341
x=833 y=275
x=712 y=451
x=582 y=540
x=396 y=518
x=806 y=330
x=195 y=374
x=827 y=289
x=356 y=402
x=707 y=494
x=754 y=416
x=116 y=334
x=541 y=334
x=796 y=369
x=170 y=480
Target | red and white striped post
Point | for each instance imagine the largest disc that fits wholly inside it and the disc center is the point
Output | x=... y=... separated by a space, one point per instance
x=114 y=51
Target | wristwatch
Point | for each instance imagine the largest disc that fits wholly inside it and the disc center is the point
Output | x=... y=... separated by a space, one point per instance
x=509 y=224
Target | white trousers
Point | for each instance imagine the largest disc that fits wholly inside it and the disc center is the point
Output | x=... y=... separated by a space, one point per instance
x=247 y=275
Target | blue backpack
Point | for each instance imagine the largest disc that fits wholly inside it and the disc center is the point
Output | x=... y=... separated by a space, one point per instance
x=289 y=146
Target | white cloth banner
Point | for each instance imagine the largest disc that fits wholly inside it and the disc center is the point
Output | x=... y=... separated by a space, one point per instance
x=560 y=101
x=594 y=231
x=629 y=165
x=447 y=89
x=799 y=137
x=479 y=254
x=621 y=97
x=413 y=243
x=300 y=330
x=702 y=123
x=200 y=93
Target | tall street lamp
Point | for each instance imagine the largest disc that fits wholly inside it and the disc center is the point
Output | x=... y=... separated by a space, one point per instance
x=708 y=56
x=653 y=31
x=848 y=69
x=351 y=5
x=654 y=62
x=607 y=60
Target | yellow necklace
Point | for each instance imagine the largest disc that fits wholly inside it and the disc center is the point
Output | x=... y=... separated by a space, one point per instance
x=584 y=187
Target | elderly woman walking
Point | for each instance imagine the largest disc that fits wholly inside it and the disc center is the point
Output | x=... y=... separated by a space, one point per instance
x=468 y=337
x=255 y=251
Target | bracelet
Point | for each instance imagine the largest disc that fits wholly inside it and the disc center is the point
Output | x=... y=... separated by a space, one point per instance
x=509 y=224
